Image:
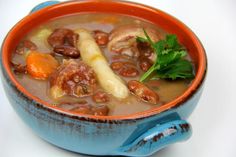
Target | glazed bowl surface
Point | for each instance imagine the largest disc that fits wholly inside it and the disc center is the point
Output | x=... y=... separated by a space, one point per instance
x=139 y=134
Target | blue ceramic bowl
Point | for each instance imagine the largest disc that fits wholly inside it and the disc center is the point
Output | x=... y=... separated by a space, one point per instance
x=139 y=134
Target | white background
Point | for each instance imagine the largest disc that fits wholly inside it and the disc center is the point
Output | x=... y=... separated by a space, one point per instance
x=213 y=121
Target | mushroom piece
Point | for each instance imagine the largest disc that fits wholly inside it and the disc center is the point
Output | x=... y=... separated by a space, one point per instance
x=122 y=40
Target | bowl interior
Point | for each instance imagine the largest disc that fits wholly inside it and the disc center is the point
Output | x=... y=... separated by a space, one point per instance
x=155 y=16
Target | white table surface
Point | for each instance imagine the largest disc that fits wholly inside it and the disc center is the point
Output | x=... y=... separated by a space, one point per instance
x=213 y=121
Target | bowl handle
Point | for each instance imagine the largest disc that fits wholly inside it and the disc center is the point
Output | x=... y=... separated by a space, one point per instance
x=157 y=137
x=43 y=5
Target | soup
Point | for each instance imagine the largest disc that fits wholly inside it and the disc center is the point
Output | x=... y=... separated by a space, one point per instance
x=102 y=64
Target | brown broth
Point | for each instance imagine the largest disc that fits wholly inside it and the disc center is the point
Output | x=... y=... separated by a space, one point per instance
x=167 y=90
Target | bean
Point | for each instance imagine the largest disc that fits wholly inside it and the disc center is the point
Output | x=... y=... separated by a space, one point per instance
x=119 y=65
x=116 y=65
x=144 y=63
x=100 y=97
x=68 y=51
x=129 y=72
x=143 y=92
x=83 y=109
x=144 y=49
x=101 y=37
x=100 y=110
x=63 y=36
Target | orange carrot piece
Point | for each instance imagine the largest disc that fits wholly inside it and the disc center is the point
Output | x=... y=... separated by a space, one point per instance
x=40 y=65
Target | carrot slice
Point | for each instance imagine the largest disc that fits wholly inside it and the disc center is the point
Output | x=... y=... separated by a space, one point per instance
x=40 y=65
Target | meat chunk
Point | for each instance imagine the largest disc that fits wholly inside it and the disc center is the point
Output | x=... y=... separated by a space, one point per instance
x=122 y=40
x=73 y=78
x=143 y=92
x=64 y=42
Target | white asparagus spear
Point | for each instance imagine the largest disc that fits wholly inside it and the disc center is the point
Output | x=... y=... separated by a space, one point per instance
x=92 y=55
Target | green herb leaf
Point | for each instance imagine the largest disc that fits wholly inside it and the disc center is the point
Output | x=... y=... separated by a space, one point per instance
x=172 y=41
x=159 y=47
x=181 y=69
x=170 y=62
x=170 y=56
x=141 y=39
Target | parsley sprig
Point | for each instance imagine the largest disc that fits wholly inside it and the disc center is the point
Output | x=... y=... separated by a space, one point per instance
x=170 y=62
